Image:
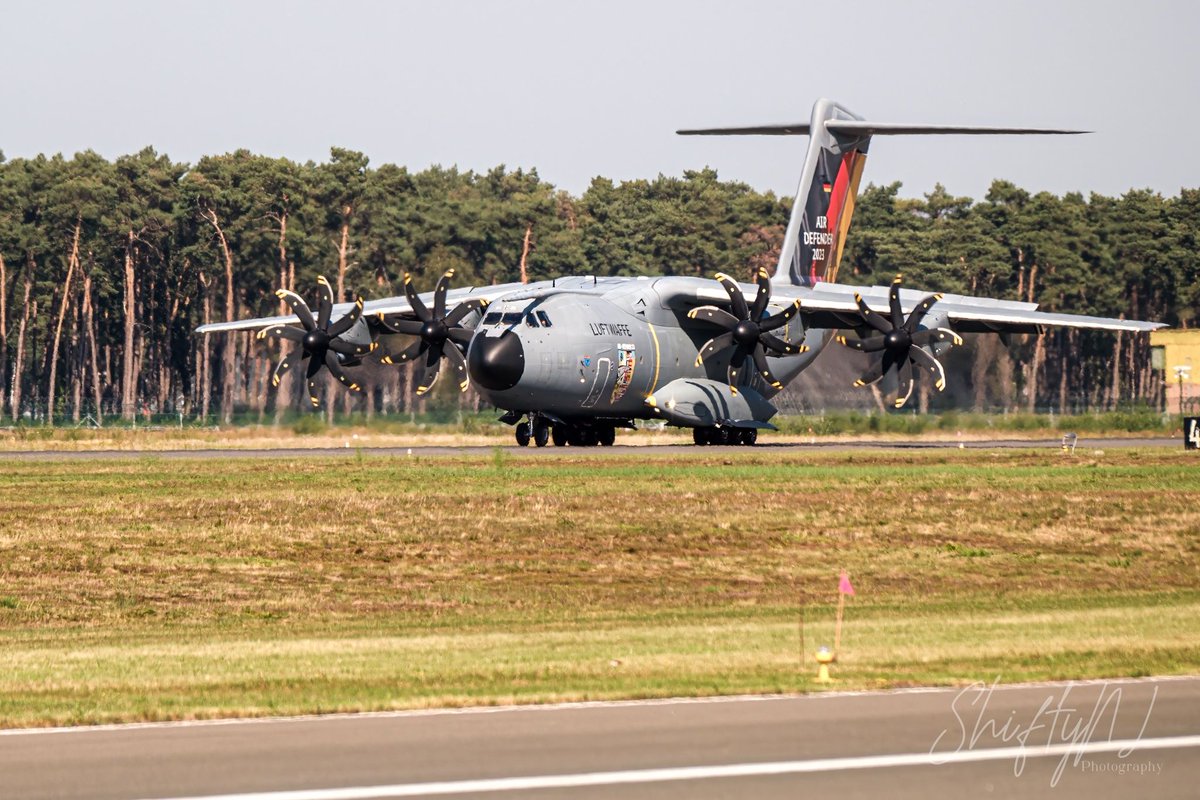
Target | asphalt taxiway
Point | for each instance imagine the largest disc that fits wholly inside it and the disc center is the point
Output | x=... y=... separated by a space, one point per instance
x=1135 y=738
x=1082 y=446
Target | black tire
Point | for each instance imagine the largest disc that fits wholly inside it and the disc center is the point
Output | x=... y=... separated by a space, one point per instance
x=720 y=436
x=749 y=436
x=522 y=434
x=608 y=435
x=558 y=434
x=541 y=433
x=574 y=437
x=700 y=436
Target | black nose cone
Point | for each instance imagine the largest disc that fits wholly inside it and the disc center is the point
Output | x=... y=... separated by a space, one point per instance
x=496 y=363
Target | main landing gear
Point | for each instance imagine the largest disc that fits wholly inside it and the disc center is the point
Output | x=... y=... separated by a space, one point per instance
x=717 y=436
x=542 y=431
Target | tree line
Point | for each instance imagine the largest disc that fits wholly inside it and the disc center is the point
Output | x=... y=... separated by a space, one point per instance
x=106 y=267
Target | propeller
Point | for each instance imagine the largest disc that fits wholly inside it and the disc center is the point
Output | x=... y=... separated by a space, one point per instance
x=901 y=343
x=318 y=339
x=440 y=334
x=747 y=331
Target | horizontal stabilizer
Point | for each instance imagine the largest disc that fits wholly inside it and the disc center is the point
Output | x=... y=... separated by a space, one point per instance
x=867 y=128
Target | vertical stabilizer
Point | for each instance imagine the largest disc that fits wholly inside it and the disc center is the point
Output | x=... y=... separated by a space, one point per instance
x=824 y=205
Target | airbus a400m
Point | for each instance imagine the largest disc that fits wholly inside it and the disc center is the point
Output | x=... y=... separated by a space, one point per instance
x=573 y=359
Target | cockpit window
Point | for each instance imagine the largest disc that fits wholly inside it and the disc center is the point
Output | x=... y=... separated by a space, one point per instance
x=531 y=321
x=545 y=318
x=492 y=318
x=511 y=318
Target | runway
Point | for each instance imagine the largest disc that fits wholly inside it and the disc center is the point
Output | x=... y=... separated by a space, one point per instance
x=1136 y=738
x=428 y=451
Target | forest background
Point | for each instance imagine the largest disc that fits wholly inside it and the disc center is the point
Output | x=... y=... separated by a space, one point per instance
x=106 y=267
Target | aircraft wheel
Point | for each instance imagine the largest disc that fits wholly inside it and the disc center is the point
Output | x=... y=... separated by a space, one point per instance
x=720 y=436
x=608 y=435
x=558 y=433
x=587 y=437
x=700 y=436
x=541 y=433
x=522 y=433
x=749 y=436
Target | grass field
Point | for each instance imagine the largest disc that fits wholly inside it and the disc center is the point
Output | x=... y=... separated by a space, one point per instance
x=154 y=588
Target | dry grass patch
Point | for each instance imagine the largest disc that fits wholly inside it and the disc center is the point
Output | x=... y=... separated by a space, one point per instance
x=152 y=587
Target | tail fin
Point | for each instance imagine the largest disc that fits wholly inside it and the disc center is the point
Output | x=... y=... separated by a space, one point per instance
x=833 y=166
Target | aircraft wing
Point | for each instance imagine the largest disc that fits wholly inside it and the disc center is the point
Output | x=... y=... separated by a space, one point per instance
x=832 y=305
x=831 y=302
x=372 y=308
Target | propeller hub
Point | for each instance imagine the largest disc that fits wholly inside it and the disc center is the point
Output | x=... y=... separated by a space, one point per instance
x=315 y=341
x=434 y=331
x=899 y=339
x=746 y=333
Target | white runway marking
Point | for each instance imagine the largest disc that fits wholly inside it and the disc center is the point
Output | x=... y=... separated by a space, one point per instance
x=1124 y=747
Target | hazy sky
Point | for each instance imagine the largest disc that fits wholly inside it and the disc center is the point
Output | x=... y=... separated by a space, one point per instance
x=581 y=90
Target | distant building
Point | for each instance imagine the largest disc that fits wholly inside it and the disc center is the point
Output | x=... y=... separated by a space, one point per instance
x=1176 y=354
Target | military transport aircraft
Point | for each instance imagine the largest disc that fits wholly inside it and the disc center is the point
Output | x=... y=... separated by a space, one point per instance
x=572 y=359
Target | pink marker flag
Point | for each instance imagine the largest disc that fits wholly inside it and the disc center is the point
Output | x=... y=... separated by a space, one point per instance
x=844 y=586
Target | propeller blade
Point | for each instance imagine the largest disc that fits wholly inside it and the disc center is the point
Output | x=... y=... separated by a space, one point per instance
x=763 y=296
x=740 y=310
x=335 y=368
x=714 y=346
x=715 y=315
x=439 y=294
x=459 y=365
x=288 y=332
x=284 y=365
x=314 y=366
x=347 y=322
x=764 y=369
x=735 y=367
x=894 y=302
x=874 y=372
x=410 y=353
x=905 y=387
x=299 y=308
x=414 y=300
x=923 y=359
x=408 y=327
x=324 y=302
x=461 y=336
x=872 y=345
x=782 y=318
x=918 y=313
x=876 y=321
x=931 y=335
x=464 y=308
x=433 y=363
x=351 y=349
x=772 y=342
